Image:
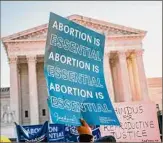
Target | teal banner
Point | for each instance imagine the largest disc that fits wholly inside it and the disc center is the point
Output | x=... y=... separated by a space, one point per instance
x=73 y=68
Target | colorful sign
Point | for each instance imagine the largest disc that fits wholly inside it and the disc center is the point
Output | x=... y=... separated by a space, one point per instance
x=138 y=123
x=56 y=133
x=42 y=134
x=73 y=68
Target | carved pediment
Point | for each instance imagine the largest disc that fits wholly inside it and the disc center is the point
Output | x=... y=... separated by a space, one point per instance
x=109 y=29
x=42 y=34
x=106 y=29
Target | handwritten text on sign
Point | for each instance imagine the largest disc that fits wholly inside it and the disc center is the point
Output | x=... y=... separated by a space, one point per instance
x=73 y=67
x=138 y=123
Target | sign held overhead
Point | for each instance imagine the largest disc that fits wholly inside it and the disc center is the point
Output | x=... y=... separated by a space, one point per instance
x=73 y=68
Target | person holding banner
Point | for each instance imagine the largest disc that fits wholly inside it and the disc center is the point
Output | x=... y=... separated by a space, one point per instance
x=85 y=134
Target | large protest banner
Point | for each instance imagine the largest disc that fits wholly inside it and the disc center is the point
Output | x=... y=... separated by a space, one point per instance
x=55 y=133
x=138 y=123
x=73 y=68
x=42 y=134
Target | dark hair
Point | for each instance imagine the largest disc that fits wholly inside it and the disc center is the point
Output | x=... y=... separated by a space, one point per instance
x=107 y=139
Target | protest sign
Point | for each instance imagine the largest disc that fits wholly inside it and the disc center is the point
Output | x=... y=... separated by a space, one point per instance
x=138 y=123
x=39 y=135
x=73 y=69
x=57 y=132
x=71 y=133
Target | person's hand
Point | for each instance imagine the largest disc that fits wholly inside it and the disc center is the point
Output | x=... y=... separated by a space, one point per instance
x=84 y=129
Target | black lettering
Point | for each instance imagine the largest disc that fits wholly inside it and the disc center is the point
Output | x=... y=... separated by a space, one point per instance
x=130 y=132
x=129 y=125
x=140 y=124
x=120 y=135
x=124 y=135
x=106 y=128
x=144 y=133
x=146 y=124
x=151 y=124
x=129 y=110
x=137 y=126
x=137 y=134
x=140 y=109
x=135 y=110
x=121 y=125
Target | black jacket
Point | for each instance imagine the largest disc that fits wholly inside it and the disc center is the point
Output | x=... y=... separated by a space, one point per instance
x=85 y=138
x=89 y=138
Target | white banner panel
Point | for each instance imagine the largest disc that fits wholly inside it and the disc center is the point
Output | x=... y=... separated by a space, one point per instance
x=138 y=123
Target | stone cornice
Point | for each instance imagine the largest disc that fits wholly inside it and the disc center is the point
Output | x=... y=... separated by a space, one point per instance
x=25 y=41
x=25 y=32
x=13 y=60
x=31 y=59
x=97 y=25
x=132 y=36
x=117 y=35
x=139 y=52
x=121 y=54
x=136 y=53
x=113 y=37
x=104 y=23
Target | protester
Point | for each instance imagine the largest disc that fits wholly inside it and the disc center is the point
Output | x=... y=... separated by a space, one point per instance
x=107 y=139
x=85 y=134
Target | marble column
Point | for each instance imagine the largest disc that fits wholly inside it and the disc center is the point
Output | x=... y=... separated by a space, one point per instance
x=119 y=79
x=125 y=82
x=137 y=95
x=14 y=89
x=111 y=80
x=114 y=71
x=33 y=93
x=131 y=77
x=108 y=76
x=142 y=76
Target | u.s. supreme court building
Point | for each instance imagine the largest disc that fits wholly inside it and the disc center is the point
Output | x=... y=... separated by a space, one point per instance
x=25 y=102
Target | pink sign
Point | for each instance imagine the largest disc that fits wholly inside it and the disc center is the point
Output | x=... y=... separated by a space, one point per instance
x=138 y=123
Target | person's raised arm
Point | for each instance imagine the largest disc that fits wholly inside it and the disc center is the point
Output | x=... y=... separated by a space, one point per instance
x=85 y=132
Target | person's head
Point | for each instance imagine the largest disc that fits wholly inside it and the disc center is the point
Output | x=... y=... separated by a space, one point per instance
x=107 y=139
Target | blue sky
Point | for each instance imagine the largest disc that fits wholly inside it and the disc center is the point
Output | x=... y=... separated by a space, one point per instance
x=18 y=16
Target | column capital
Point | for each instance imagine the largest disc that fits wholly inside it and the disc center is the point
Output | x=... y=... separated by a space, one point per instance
x=113 y=62
x=121 y=54
x=13 y=59
x=133 y=55
x=107 y=54
x=31 y=58
x=139 y=52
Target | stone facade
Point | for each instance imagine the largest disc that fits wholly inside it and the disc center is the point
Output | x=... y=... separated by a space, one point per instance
x=123 y=67
x=24 y=92
x=155 y=90
x=42 y=92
